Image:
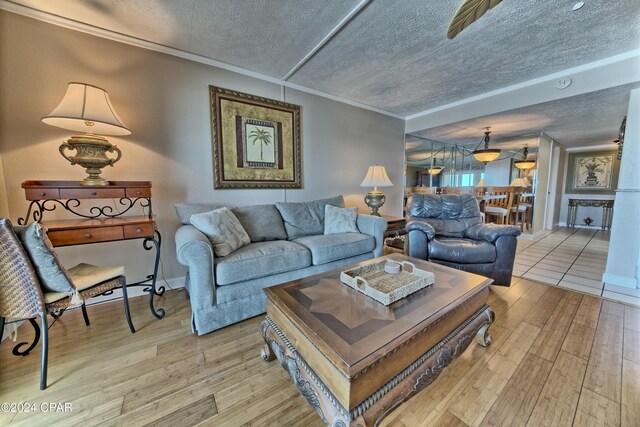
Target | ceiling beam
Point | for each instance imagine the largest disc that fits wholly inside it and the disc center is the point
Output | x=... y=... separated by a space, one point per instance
x=327 y=38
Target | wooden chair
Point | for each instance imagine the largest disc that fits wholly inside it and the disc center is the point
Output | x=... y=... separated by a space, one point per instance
x=498 y=202
x=22 y=296
x=521 y=211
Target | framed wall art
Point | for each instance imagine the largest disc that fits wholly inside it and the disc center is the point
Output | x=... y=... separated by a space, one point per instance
x=256 y=141
x=592 y=172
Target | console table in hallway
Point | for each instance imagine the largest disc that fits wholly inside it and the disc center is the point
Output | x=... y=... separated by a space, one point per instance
x=607 y=211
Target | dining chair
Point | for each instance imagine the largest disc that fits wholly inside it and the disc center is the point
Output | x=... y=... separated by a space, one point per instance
x=498 y=202
x=23 y=295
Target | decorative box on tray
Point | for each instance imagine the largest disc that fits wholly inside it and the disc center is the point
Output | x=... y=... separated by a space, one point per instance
x=374 y=281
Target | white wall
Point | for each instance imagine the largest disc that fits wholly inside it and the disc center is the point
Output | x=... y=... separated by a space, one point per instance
x=496 y=173
x=164 y=101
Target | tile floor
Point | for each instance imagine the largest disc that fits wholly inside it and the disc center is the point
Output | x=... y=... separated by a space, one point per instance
x=573 y=258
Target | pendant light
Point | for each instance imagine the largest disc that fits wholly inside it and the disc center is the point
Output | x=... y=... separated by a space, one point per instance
x=525 y=164
x=487 y=154
x=434 y=169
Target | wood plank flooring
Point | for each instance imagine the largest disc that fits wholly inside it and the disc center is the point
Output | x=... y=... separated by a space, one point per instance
x=558 y=358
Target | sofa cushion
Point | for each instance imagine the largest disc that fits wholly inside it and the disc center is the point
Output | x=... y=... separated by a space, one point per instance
x=331 y=247
x=462 y=251
x=261 y=222
x=261 y=259
x=306 y=218
x=340 y=220
x=223 y=229
x=185 y=210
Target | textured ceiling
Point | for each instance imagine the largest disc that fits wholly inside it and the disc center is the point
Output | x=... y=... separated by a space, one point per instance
x=260 y=35
x=394 y=55
x=588 y=119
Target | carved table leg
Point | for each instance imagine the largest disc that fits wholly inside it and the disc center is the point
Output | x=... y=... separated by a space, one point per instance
x=266 y=353
x=483 y=337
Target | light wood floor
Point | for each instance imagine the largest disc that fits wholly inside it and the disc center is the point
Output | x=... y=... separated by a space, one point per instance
x=558 y=358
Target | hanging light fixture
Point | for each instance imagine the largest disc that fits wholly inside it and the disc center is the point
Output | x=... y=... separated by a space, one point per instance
x=487 y=154
x=434 y=169
x=525 y=164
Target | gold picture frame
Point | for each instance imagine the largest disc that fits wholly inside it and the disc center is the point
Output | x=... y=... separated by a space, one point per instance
x=256 y=141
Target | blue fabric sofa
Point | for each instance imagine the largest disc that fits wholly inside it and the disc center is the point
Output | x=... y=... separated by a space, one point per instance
x=287 y=243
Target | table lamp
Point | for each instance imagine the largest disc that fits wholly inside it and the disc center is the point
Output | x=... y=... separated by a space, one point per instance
x=517 y=182
x=87 y=109
x=376 y=177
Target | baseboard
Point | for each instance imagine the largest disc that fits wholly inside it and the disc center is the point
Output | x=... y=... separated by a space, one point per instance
x=591 y=227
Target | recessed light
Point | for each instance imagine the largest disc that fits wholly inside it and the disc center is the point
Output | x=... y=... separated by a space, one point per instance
x=578 y=5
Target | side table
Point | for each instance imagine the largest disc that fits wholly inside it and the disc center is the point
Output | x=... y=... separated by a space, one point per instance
x=395 y=236
x=98 y=224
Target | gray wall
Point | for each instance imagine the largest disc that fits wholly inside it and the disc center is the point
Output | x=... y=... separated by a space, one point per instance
x=164 y=101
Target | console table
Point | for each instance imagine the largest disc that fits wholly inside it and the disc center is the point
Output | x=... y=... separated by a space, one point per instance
x=101 y=223
x=607 y=211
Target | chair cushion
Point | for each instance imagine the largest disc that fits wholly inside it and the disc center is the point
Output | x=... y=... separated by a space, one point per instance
x=520 y=208
x=50 y=271
x=495 y=210
x=462 y=251
x=340 y=220
x=326 y=248
x=261 y=259
x=261 y=222
x=307 y=218
x=85 y=276
x=223 y=229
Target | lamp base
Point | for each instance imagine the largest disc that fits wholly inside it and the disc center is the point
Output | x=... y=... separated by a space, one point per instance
x=91 y=154
x=375 y=199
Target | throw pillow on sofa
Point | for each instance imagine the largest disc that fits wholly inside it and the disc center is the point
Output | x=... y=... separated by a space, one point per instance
x=307 y=218
x=262 y=223
x=340 y=220
x=223 y=229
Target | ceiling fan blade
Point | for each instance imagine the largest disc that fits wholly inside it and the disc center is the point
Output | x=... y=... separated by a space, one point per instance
x=469 y=12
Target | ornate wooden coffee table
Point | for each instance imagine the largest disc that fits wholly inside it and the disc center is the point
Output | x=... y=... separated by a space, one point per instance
x=354 y=359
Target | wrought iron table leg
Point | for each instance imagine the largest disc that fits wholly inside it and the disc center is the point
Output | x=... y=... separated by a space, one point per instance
x=156 y=240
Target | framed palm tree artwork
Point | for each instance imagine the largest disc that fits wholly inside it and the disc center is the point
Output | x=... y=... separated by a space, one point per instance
x=592 y=172
x=256 y=141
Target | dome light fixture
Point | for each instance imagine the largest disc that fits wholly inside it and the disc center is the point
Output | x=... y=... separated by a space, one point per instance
x=487 y=154
x=525 y=164
x=434 y=169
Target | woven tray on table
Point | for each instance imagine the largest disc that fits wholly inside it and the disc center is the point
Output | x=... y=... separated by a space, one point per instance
x=387 y=288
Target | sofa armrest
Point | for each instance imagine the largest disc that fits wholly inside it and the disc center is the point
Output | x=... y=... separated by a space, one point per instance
x=414 y=223
x=491 y=232
x=194 y=250
x=373 y=226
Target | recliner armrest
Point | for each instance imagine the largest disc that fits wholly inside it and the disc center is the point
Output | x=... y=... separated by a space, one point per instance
x=491 y=232
x=415 y=223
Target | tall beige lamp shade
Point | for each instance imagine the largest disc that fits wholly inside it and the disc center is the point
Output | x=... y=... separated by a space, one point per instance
x=87 y=109
x=376 y=177
x=517 y=182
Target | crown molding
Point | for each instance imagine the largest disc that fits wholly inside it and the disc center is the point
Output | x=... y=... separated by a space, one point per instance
x=156 y=47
